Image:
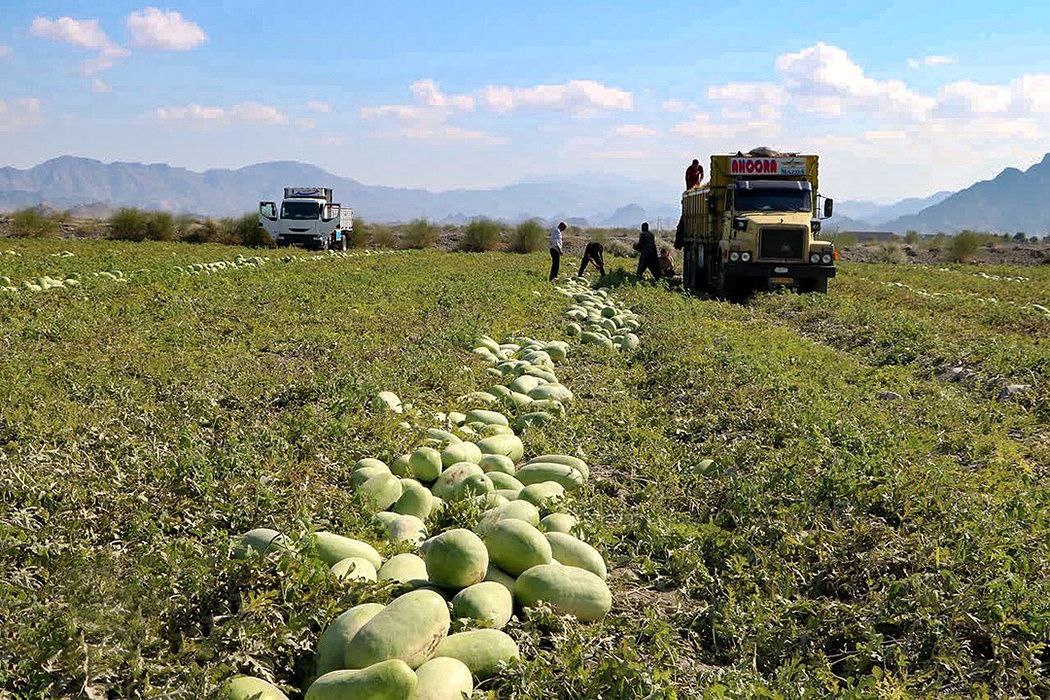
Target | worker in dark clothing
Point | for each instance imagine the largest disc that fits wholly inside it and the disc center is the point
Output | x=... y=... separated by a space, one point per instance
x=593 y=254
x=679 y=233
x=694 y=174
x=647 y=257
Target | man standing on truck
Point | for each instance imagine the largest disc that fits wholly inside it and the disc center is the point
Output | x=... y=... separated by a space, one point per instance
x=694 y=174
x=647 y=256
x=593 y=254
x=556 y=249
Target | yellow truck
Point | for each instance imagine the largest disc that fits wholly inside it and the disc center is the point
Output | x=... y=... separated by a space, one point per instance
x=754 y=225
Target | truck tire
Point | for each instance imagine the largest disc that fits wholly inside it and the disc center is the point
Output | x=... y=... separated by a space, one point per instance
x=342 y=243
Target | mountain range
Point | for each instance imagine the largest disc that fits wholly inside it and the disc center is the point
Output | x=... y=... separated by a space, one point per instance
x=69 y=182
x=1014 y=200
x=875 y=214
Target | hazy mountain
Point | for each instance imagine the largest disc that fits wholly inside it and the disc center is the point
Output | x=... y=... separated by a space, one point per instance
x=1012 y=201
x=875 y=213
x=70 y=181
x=630 y=216
x=845 y=223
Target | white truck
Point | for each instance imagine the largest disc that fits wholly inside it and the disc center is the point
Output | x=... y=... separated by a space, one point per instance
x=309 y=218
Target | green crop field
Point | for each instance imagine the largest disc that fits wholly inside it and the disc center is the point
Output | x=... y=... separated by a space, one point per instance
x=795 y=496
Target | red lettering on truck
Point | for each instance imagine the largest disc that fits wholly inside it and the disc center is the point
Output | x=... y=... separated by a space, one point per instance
x=754 y=166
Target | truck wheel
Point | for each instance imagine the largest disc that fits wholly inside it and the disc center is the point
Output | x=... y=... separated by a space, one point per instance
x=342 y=243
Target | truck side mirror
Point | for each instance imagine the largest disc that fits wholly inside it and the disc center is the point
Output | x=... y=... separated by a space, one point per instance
x=829 y=207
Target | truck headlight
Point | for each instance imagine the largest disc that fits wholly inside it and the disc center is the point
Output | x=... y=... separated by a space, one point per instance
x=734 y=256
x=826 y=258
x=745 y=256
x=814 y=258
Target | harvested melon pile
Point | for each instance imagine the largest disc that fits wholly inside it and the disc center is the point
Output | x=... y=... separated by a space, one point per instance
x=596 y=318
x=524 y=551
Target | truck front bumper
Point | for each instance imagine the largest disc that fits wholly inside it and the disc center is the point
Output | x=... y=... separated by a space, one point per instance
x=795 y=271
x=306 y=240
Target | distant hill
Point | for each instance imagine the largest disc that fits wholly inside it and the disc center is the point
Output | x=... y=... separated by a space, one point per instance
x=875 y=213
x=71 y=181
x=1013 y=201
x=845 y=223
x=630 y=216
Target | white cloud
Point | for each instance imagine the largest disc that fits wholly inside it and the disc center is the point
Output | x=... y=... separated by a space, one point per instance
x=1031 y=93
x=101 y=63
x=427 y=120
x=966 y=97
x=454 y=133
x=306 y=123
x=5 y=51
x=402 y=112
x=701 y=127
x=319 y=106
x=243 y=113
x=634 y=131
x=758 y=105
x=931 y=61
x=331 y=140
x=429 y=94
x=99 y=85
x=443 y=132
x=84 y=34
x=747 y=92
x=257 y=113
x=165 y=30
x=19 y=113
x=673 y=106
x=581 y=98
x=825 y=80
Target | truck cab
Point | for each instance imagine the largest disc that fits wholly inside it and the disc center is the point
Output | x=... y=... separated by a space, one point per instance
x=307 y=217
x=755 y=225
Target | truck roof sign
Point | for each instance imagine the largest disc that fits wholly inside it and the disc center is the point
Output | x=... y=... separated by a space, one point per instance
x=784 y=167
x=308 y=193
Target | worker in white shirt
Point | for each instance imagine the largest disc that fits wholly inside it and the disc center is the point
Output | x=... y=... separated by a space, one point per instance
x=556 y=248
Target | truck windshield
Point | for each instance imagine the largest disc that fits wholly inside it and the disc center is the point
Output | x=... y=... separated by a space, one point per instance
x=772 y=200
x=299 y=210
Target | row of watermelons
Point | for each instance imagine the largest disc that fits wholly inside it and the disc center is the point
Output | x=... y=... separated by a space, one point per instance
x=524 y=551
x=596 y=319
x=45 y=283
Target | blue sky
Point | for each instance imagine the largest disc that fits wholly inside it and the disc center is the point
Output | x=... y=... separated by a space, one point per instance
x=901 y=99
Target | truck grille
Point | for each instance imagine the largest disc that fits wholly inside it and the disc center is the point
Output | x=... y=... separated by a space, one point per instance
x=782 y=243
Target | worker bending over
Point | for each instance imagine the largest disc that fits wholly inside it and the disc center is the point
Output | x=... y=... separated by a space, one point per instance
x=593 y=254
x=666 y=263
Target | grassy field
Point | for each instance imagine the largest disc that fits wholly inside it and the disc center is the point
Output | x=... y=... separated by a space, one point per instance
x=840 y=543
